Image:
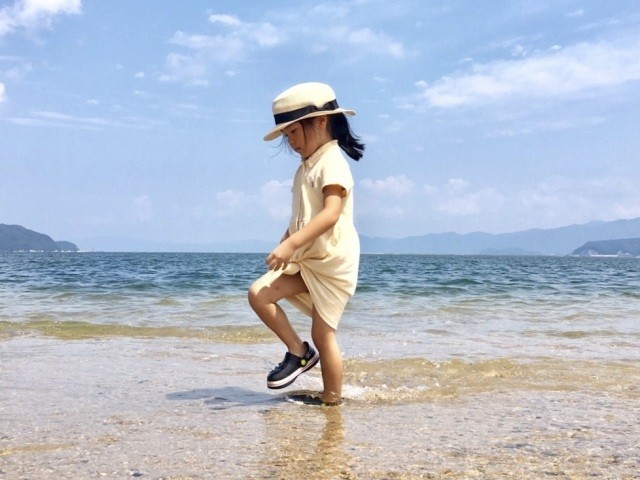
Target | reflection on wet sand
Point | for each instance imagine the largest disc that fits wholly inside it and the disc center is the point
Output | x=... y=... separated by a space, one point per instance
x=305 y=442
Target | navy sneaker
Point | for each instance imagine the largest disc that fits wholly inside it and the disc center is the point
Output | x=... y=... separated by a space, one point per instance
x=291 y=367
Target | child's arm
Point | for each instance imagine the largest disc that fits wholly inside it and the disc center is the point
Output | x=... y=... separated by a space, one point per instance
x=321 y=223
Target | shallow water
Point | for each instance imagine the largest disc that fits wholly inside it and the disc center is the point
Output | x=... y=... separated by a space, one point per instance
x=167 y=408
x=153 y=365
x=529 y=304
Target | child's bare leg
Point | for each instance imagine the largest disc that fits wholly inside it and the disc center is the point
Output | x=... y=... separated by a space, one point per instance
x=324 y=338
x=263 y=301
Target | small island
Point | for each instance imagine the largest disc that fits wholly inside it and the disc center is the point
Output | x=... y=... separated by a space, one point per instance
x=14 y=238
x=628 y=247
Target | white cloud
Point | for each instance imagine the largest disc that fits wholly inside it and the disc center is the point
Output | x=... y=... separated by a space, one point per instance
x=472 y=203
x=276 y=196
x=562 y=200
x=219 y=48
x=232 y=202
x=554 y=202
x=551 y=74
x=329 y=11
x=576 y=13
x=437 y=208
x=234 y=40
x=273 y=198
x=187 y=69
x=266 y=35
x=395 y=204
x=454 y=198
x=3 y=96
x=397 y=186
x=35 y=14
x=18 y=72
x=205 y=53
x=458 y=205
x=331 y=31
x=228 y=20
x=44 y=118
x=365 y=39
x=139 y=75
x=457 y=184
x=391 y=199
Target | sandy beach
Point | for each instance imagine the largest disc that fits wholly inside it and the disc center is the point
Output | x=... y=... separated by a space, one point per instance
x=174 y=409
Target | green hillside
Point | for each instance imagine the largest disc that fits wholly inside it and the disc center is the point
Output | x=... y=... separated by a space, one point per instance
x=623 y=247
x=14 y=238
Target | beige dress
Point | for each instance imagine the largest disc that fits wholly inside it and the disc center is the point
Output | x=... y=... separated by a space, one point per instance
x=329 y=264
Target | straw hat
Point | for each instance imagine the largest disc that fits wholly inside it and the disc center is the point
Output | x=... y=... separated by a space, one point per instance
x=304 y=100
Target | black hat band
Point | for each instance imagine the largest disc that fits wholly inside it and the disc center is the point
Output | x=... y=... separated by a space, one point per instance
x=301 y=112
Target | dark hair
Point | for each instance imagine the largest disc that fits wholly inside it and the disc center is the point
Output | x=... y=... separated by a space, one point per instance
x=340 y=130
x=348 y=141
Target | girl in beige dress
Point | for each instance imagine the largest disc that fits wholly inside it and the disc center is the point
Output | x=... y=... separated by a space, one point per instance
x=315 y=266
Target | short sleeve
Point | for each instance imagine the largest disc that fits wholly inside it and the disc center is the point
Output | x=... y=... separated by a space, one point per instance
x=336 y=171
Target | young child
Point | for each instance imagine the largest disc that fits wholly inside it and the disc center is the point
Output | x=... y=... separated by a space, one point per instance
x=315 y=266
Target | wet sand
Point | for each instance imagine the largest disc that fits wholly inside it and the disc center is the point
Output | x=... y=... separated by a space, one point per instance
x=168 y=408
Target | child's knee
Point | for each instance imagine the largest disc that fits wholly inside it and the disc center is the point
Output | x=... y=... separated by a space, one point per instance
x=253 y=295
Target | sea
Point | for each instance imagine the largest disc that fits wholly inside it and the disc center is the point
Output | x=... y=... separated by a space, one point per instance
x=438 y=308
x=420 y=330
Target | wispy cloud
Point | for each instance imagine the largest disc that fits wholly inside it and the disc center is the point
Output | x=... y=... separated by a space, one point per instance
x=397 y=186
x=232 y=202
x=43 y=118
x=458 y=204
x=228 y=20
x=204 y=53
x=456 y=198
x=30 y=15
x=17 y=72
x=360 y=41
x=561 y=200
x=35 y=14
x=189 y=69
x=276 y=196
x=273 y=198
x=556 y=73
x=333 y=30
x=234 y=40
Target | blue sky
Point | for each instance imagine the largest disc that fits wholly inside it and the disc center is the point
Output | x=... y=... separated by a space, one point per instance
x=125 y=122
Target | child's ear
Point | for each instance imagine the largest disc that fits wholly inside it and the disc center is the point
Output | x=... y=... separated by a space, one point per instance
x=321 y=121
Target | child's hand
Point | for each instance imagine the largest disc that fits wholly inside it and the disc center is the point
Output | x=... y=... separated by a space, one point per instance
x=281 y=256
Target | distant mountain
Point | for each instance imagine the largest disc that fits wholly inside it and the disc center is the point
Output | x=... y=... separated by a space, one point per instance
x=628 y=247
x=14 y=238
x=556 y=241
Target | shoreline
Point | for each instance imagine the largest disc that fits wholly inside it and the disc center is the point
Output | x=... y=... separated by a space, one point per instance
x=168 y=408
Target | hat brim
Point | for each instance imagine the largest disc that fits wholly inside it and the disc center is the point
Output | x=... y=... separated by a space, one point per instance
x=277 y=130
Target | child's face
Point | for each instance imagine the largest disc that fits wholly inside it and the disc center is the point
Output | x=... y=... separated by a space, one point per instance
x=303 y=141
